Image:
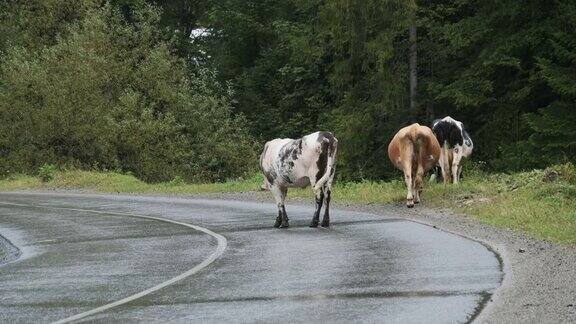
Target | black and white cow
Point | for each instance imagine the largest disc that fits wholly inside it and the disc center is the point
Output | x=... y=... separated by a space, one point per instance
x=300 y=162
x=455 y=143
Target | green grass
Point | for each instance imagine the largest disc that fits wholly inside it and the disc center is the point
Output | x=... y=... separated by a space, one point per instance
x=116 y=182
x=540 y=203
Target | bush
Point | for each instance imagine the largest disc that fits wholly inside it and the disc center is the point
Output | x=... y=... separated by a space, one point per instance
x=177 y=181
x=46 y=172
x=566 y=172
x=111 y=93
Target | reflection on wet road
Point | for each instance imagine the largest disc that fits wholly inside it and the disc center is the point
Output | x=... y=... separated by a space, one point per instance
x=365 y=268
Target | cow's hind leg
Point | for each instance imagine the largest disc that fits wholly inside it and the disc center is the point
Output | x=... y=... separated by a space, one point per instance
x=409 y=185
x=419 y=175
x=319 y=200
x=407 y=157
x=327 y=197
x=279 y=194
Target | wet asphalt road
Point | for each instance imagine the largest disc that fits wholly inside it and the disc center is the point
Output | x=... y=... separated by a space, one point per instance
x=365 y=268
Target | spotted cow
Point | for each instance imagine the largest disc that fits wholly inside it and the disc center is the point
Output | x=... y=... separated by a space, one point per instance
x=455 y=144
x=300 y=162
x=414 y=150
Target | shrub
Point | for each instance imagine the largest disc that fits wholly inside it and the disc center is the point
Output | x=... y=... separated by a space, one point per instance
x=46 y=172
x=177 y=181
x=566 y=172
x=111 y=93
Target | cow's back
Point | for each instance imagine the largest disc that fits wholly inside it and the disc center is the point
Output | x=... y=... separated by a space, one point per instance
x=415 y=142
x=451 y=133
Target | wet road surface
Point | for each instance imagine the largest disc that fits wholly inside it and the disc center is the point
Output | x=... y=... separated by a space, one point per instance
x=80 y=252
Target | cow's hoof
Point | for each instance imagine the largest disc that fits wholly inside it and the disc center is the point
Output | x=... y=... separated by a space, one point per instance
x=277 y=224
x=410 y=204
x=314 y=224
x=325 y=224
x=284 y=225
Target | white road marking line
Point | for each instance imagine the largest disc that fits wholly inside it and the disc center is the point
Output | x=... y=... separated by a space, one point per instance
x=222 y=244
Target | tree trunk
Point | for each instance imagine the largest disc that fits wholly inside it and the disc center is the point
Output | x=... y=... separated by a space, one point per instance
x=413 y=70
x=430 y=116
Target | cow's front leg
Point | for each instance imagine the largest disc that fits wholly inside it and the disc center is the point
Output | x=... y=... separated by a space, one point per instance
x=319 y=202
x=284 y=223
x=326 y=218
x=278 y=218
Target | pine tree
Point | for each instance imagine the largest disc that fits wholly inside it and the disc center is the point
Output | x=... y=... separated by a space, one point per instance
x=554 y=135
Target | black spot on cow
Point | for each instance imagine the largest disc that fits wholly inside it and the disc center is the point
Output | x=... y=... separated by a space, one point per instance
x=270 y=176
x=297 y=150
x=447 y=132
x=287 y=166
x=286 y=178
x=292 y=150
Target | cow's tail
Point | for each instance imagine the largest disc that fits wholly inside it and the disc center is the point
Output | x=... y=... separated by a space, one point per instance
x=420 y=141
x=330 y=161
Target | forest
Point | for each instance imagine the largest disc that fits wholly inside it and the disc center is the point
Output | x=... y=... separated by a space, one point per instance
x=191 y=89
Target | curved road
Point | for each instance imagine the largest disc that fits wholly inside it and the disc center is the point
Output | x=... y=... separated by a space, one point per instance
x=183 y=260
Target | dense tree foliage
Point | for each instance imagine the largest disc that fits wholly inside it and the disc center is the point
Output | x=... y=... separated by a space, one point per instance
x=487 y=62
x=108 y=92
x=123 y=85
x=299 y=66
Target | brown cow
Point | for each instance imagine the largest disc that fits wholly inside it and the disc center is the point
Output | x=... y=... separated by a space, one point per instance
x=414 y=150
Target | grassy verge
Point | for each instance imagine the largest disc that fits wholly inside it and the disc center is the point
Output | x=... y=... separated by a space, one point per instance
x=122 y=183
x=540 y=203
